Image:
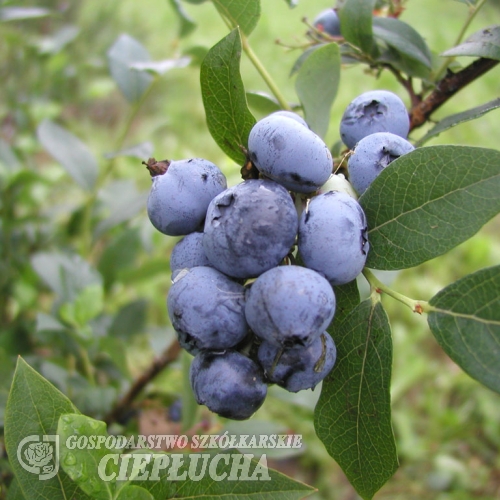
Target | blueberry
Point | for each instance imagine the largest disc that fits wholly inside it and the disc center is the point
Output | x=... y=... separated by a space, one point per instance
x=289 y=153
x=179 y=197
x=374 y=111
x=372 y=154
x=298 y=368
x=289 y=306
x=228 y=383
x=333 y=237
x=328 y=22
x=292 y=115
x=188 y=253
x=250 y=228
x=207 y=309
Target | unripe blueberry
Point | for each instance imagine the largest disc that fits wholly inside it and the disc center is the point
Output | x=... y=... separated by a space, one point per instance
x=181 y=192
x=374 y=111
x=228 y=383
x=289 y=153
x=372 y=154
x=333 y=237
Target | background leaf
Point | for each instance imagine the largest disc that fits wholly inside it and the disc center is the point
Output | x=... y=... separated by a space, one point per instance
x=161 y=67
x=125 y=52
x=70 y=152
x=228 y=117
x=317 y=84
x=465 y=319
x=242 y=13
x=483 y=43
x=33 y=408
x=356 y=24
x=457 y=119
x=21 y=13
x=353 y=415
x=429 y=201
x=187 y=24
x=66 y=274
x=262 y=103
x=403 y=38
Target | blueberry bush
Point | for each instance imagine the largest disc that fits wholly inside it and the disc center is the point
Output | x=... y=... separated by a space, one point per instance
x=277 y=252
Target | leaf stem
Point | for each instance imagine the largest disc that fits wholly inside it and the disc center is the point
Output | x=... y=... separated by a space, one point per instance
x=264 y=73
x=417 y=306
x=473 y=10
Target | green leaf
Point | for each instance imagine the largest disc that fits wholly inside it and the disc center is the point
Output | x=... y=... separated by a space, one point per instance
x=130 y=320
x=272 y=484
x=8 y=158
x=228 y=118
x=456 y=119
x=168 y=475
x=353 y=415
x=70 y=152
x=356 y=24
x=33 y=410
x=465 y=319
x=15 y=492
x=120 y=254
x=403 y=63
x=66 y=274
x=428 y=202
x=123 y=201
x=132 y=492
x=262 y=103
x=21 y=13
x=316 y=86
x=403 y=38
x=81 y=463
x=86 y=306
x=187 y=24
x=347 y=298
x=483 y=43
x=302 y=58
x=240 y=13
x=161 y=67
x=139 y=151
x=124 y=52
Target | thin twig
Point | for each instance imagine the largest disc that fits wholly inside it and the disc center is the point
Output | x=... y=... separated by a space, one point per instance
x=124 y=404
x=447 y=88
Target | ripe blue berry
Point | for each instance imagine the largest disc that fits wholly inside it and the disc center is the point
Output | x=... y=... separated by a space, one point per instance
x=188 y=253
x=207 y=309
x=289 y=153
x=228 y=383
x=372 y=154
x=289 y=306
x=181 y=192
x=250 y=228
x=333 y=237
x=328 y=22
x=374 y=111
x=298 y=368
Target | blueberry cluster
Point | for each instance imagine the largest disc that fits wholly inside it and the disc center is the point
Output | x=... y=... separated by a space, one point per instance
x=252 y=292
